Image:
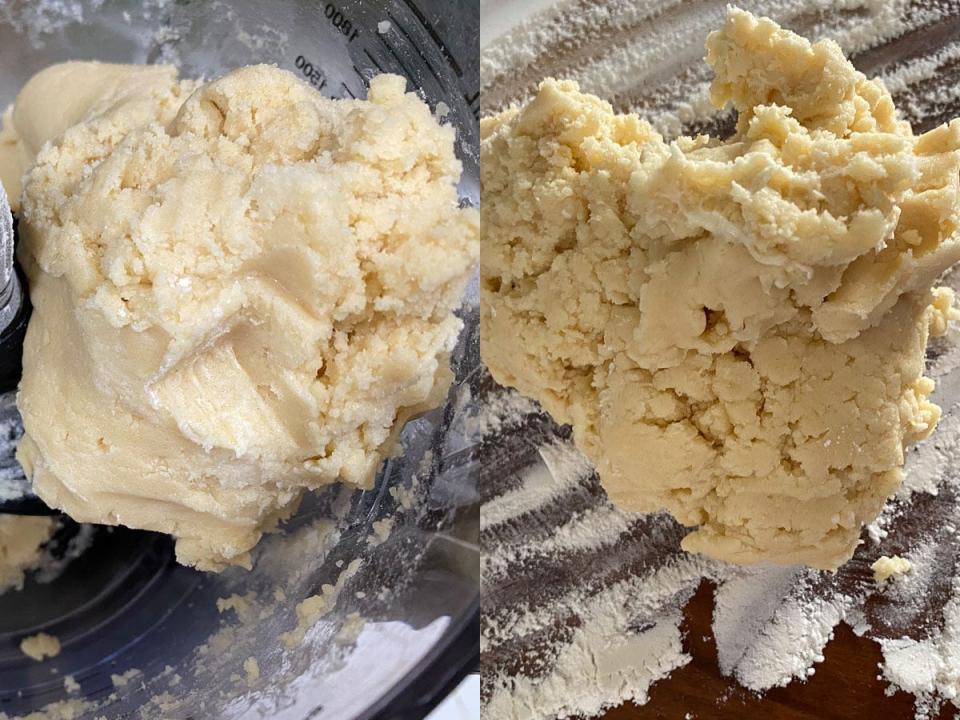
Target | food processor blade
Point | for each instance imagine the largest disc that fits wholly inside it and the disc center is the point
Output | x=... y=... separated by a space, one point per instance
x=16 y=498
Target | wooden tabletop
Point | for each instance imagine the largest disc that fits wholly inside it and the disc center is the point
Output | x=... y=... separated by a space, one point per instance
x=844 y=687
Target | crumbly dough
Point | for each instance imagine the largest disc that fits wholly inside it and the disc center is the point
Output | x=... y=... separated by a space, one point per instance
x=21 y=547
x=735 y=329
x=314 y=607
x=252 y=670
x=241 y=289
x=886 y=567
x=40 y=646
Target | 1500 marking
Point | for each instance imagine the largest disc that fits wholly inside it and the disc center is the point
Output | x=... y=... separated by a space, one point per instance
x=311 y=72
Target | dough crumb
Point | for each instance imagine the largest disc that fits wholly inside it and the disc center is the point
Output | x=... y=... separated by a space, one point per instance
x=383 y=27
x=887 y=567
x=353 y=625
x=40 y=646
x=21 y=547
x=123 y=680
x=252 y=668
x=70 y=684
x=381 y=531
x=734 y=328
x=311 y=609
x=242 y=605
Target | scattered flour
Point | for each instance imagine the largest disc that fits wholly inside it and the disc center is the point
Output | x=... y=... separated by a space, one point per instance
x=502 y=411
x=39 y=19
x=562 y=469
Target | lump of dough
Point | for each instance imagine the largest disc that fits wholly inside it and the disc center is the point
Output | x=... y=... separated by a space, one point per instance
x=21 y=547
x=735 y=329
x=886 y=567
x=241 y=290
x=40 y=646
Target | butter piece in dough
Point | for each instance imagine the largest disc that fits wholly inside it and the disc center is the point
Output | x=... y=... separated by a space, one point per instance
x=241 y=291
x=735 y=329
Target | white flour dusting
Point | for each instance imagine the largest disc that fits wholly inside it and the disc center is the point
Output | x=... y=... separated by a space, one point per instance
x=38 y=19
x=505 y=410
x=590 y=530
x=13 y=484
x=562 y=469
x=646 y=54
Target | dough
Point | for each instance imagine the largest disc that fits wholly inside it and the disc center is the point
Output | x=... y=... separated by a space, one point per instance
x=735 y=329
x=21 y=547
x=241 y=291
x=40 y=646
x=886 y=567
x=64 y=94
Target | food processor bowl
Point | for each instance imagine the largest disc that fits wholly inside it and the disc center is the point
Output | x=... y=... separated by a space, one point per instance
x=144 y=637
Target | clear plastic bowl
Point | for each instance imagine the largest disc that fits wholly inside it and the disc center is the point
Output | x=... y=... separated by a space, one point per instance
x=124 y=604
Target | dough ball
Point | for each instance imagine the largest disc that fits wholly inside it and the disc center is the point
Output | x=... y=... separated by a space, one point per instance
x=734 y=328
x=241 y=291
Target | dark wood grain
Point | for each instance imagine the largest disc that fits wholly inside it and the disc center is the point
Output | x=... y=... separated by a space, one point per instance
x=845 y=686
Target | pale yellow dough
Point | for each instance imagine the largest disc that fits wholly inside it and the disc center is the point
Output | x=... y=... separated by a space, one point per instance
x=735 y=329
x=40 y=646
x=241 y=290
x=21 y=547
x=886 y=567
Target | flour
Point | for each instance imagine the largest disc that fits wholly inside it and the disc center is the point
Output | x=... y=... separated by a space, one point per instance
x=771 y=625
x=590 y=530
x=504 y=410
x=13 y=484
x=628 y=637
x=39 y=19
x=562 y=468
x=645 y=54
